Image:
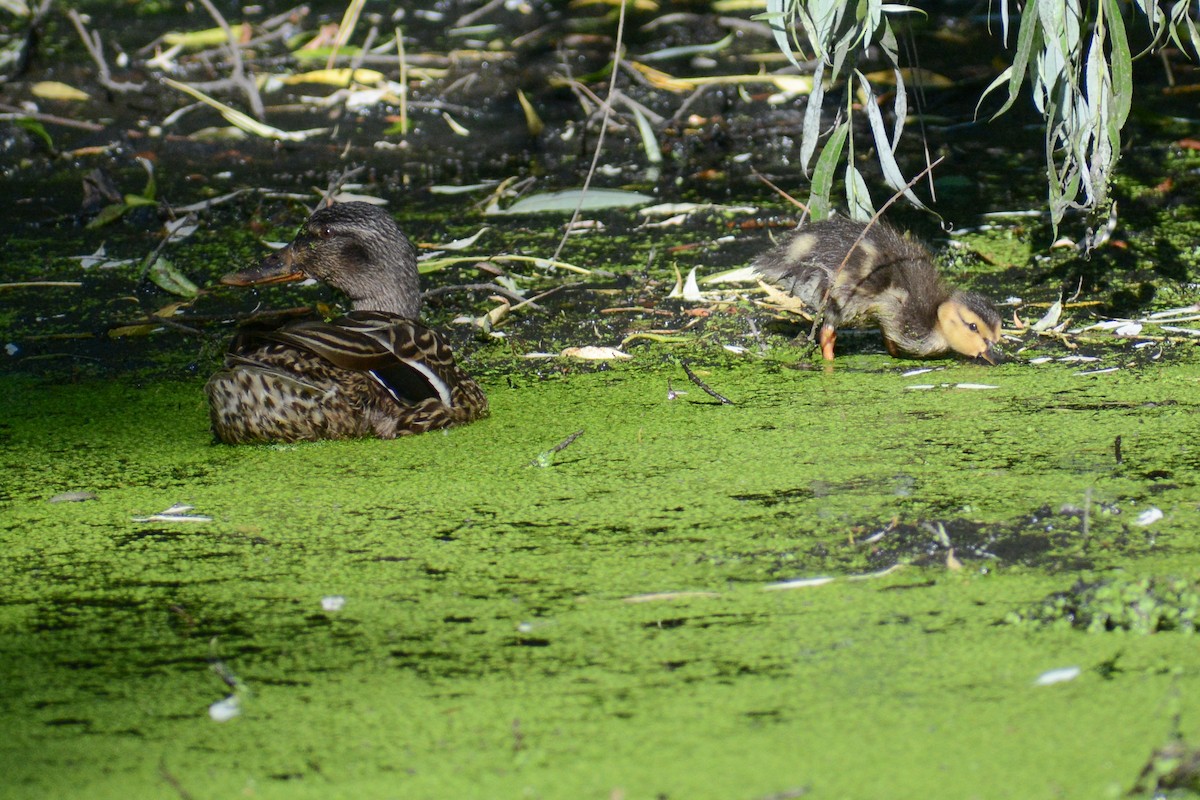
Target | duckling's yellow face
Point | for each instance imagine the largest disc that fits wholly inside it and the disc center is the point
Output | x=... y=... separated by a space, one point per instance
x=971 y=326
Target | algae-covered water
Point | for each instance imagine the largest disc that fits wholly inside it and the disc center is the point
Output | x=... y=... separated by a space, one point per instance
x=857 y=580
x=436 y=617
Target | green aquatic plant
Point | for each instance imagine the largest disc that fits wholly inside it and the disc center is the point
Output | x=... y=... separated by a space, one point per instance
x=148 y=197
x=1075 y=54
x=1145 y=605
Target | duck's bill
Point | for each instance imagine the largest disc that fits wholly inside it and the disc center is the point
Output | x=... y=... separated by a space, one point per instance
x=991 y=355
x=279 y=267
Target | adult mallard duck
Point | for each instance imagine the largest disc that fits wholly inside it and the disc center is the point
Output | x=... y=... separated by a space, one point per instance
x=374 y=372
x=848 y=272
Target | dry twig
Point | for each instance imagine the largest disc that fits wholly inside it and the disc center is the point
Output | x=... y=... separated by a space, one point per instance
x=95 y=49
x=694 y=378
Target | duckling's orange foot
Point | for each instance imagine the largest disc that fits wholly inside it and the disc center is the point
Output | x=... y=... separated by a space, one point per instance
x=827 y=337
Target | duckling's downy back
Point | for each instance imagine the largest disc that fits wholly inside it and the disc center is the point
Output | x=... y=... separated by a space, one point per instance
x=847 y=272
x=813 y=265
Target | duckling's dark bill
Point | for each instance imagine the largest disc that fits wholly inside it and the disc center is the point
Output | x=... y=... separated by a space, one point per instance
x=275 y=268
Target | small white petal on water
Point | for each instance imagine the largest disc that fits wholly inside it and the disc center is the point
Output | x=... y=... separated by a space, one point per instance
x=455 y=125
x=72 y=497
x=1098 y=371
x=1182 y=318
x=691 y=290
x=225 y=710
x=668 y=209
x=669 y=222
x=1078 y=359
x=921 y=386
x=867 y=576
x=671 y=209
x=57 y=90
x=652 y=596
x=735 y=348
x=464 y=189
x=1041 y=360
x=1175 y=329
x=365 y=98
x=799 y=583
x=567 y=200
x=677 y=290
x=1050 y=319
x=175 y=513
x=101 y=260
x=1061 y=675
x=975 y=386
x=179 y=229
x=11 y=349
x=1149 y=516
x=1172 y=312
x=1014 y=214
x=918 y=371
x=593 y=352
x=172 y=518
x=1128 y=329
x=333 y=602
x=358 y=197
x=739 y=275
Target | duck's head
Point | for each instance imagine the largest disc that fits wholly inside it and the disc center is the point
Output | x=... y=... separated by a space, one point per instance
x=354 y=247
x=970 y=325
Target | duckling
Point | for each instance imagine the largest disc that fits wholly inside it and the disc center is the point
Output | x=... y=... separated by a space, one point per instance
x=880 y=276
x=374 y=372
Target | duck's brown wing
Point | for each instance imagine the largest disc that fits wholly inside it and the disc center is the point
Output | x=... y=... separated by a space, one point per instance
x=413 y=363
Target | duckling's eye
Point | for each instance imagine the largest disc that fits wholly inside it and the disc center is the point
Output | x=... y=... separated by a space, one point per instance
x=324 y=231
x=974 y=328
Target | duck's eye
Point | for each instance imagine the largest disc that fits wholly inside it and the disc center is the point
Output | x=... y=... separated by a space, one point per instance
x=974 y=328
x=324 y=232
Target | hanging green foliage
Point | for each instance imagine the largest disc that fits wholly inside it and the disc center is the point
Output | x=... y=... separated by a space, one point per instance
x=837 y=33
x=1075 y=54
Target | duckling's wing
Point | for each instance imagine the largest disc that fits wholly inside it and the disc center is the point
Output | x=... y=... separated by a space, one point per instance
x=407 y=359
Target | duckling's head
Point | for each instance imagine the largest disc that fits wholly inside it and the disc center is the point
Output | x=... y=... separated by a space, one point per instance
x=354 y=247
x=970 y=325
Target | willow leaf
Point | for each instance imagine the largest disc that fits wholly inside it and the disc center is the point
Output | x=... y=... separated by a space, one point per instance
x=1001 y=79
x=887 y=159
x=1021 y=59
x=858 y=196
x=1181 y=19
x=811 y=130
x=822 y=179
x=776 y=16
x=900 y=109
x=567 y=200
x=649 y=142
x=1122 y=63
